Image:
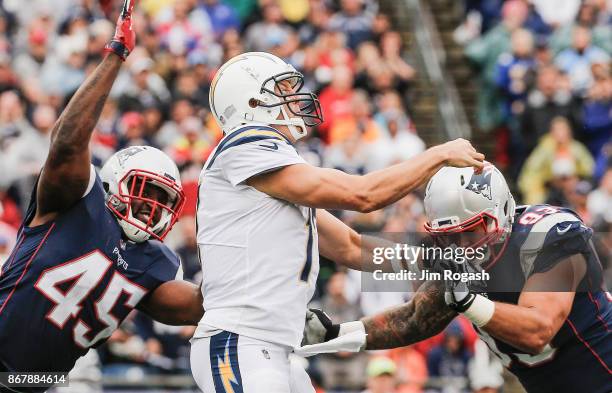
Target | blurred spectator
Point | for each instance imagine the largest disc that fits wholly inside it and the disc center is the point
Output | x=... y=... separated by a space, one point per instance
x=8 y=234
x=10 y=214
x=342 y=370
x=222 y=17
x=13 y=122
x=515 y=72
x=355 y=20
x=391 y=45
x=144 y=87
x=556 y=12
x=399 y=143
x=514 y=75
x=270 y=32
x=187 y=86
x=577 y=60
x=167 y=347
x=349 y=155
x=384 y=71
x=32 y=64
x=28 y=153
x=449 y=360
x=562 y=183
x=557 y=149
x=183 y=27
x=485 y=370
x=67 y=75
x=589 y=16
x=317 y=21
x=484 y=53
x=132 y=131
x=332 y=53
x=181 y=110
x=597 y=110
x=188 y=249
x=411 y=369
x=381 y=375
x=577 y=201
x=192 y=145
x=599 y=202
x=336 y=99
x=359 y=122
x=603 y=160
x=549 y=99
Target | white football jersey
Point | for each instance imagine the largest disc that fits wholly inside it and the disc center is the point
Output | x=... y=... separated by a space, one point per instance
x=259 y=254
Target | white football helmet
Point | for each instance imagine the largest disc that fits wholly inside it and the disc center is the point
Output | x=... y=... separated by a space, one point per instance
x=459 y=200
x=245 y=90
x=124 y=177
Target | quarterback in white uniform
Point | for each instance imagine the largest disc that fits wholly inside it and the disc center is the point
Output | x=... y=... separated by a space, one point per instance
x=258 y=232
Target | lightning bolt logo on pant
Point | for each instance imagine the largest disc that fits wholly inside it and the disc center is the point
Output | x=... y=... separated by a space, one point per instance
x=225 y=369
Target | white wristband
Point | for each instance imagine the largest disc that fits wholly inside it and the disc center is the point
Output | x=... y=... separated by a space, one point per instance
x=354 y=326
x=481 y=311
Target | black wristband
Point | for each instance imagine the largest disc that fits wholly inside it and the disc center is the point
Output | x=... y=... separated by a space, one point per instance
x=117 y=48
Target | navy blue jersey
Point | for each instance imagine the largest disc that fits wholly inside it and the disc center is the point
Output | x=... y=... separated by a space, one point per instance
x=69 y=283
x=579 y=358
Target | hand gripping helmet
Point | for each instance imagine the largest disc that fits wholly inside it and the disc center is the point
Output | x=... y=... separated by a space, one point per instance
x=124 y=177
x=246 y=90
x=459 y=200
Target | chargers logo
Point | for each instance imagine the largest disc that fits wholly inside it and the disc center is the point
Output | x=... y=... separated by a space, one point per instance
x=481 y=183
x=228 y=378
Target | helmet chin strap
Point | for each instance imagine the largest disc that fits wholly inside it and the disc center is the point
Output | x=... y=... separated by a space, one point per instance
x=296 y=126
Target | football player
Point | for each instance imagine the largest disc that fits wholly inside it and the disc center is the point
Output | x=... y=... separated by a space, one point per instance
x=546 y=313
x=259 y=232
x=89 y=250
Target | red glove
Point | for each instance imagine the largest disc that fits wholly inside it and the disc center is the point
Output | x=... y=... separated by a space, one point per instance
x=125 y=38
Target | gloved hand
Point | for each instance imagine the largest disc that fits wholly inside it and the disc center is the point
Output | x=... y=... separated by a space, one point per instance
x=321 y=335
x=458 y=296
x=124 y=40
x=318 y=328
x=463 y=295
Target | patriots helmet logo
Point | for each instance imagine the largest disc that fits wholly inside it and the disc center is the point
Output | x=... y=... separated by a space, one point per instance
x=481 y=183
x=124 y=154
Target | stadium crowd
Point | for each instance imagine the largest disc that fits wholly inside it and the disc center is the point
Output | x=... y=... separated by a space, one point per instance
x=545 y=91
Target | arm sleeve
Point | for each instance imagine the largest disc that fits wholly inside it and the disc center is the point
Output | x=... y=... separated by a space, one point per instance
x=239 y=163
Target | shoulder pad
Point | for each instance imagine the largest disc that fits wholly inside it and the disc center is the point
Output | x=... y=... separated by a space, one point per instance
x=248 y=134
x=546 y=234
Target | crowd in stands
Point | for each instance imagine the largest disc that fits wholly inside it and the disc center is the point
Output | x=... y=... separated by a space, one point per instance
x=545 y=93
x=545 y=90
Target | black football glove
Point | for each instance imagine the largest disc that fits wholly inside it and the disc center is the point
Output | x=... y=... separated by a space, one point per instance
x=459 y=295
x=319 y=328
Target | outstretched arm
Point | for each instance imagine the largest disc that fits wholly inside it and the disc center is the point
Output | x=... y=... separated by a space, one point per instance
x=326 y=188
x=424 y=316
x=341 y=244
x=66 y=172
x=174 y=302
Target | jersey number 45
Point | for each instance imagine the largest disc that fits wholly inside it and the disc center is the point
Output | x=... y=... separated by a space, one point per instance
x=86 y=272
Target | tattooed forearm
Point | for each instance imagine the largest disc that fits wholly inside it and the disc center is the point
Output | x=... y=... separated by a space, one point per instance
x=424 y=316
x=66 y=173
x=73 y=129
